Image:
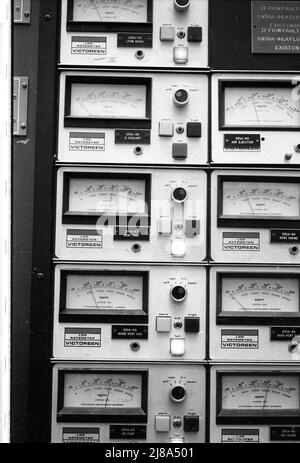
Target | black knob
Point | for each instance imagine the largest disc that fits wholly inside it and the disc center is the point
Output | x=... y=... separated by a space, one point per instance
x=178 y=393
x=179 y=194
x=181 y=97
x=178 y=293
x=181 y=5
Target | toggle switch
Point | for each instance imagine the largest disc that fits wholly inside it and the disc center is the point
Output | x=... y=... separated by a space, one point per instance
x=164 y=226
x=181 y=5
x=167 y=33
x=178 y=247
x=162 y=423
x=166 y=129
x=180 y=55
x=163 y=324
x=177 y=346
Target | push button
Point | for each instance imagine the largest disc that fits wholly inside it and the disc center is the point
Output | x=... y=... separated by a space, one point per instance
x=192 y=324
x=164 y=226
x=177 y=346
x=178 y=247
x=162 y=423
x=163 y=324
x=192 y=227
x=194 y=34
x=179 y=150
x=167 y=33
x=166 y=129
x=191 y=423
x=181 y=55
x=194 y=129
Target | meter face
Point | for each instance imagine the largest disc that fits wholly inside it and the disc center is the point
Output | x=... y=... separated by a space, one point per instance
x=260 y=392
x=108 y=101
x=270 y=295
x=110 y=11
x=103 y=390
x=264 y=199
x=111 y=293
x=260 y=107
x=109 y=196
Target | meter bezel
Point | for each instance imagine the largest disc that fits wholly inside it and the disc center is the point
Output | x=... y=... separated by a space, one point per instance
x=103 y=316
x=107 y=122
x=272 y=83
x=232 y=416
x=107 y=26
x=254 y=221
x=97 y=414
x=81 y=217
x=257 y=317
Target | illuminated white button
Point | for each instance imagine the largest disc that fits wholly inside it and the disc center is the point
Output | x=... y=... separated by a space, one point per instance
x=162 y=423
x=164 y=226
x=163 y=324
x=167 y=33
x=166 y=129
x=176 y=440
x=177 y=346
x=178 y=248
x=181 y=55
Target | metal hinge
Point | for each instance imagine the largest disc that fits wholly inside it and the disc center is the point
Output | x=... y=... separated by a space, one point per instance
x=22 y=11
x=20 y=104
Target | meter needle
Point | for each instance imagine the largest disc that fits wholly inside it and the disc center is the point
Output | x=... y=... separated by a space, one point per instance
x=97 y=9
x=250 y=206
x=256 y=112
x=267 y=392
x=92 y=291
x=109 y=389
x=236 y=300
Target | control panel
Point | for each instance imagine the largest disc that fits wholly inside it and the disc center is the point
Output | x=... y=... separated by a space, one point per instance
x=129 y=312
x=255 y=404
x=132 y=118
x=255 y=314
x=256 y=119
x=256 y=216
x=106 y=214
x=128 y=403
x=135 y=33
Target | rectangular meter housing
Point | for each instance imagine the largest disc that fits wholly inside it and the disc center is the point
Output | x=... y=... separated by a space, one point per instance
x=128 y=402
x=106 y=214
x=256 y=216
x=256 y=120
x=131 y=118
x=251 y=404
x=113 y=312
x=255 y=314
x=135 y=33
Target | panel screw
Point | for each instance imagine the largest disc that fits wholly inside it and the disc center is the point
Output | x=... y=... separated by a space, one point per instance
x=23 y=126
x=47 y=17
x=26 y=14
x=14 y=96
x=40 y=276
x=18 y=8
x=24 y=85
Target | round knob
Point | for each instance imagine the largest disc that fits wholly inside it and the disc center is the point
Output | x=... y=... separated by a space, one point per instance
x=178 y=293
x=179 y=194
x=181 y=5
x=297 y=148
x=181 y=97
x=178 y=393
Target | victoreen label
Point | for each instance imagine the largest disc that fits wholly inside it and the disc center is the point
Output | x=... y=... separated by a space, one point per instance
x=84 y=239
x=86 y=141
x=239 y=241
x=88 y=46
x=239 y=436
x=81 y=435
x=82 y=337
x=239 y=339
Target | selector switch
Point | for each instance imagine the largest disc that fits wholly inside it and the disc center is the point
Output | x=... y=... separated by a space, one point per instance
x=162 y=423
x=180 y=55
x=163 y=324
x=167 y=33
x=166 y=129
x=181 y=97
x=194 y=34
x=191 y=423
x=179 y=194
x=178 y=293
x=178 y=393
x=182 y=5
x=179 y=150
x=177 y=346
x=194 y=129
x=192 y=324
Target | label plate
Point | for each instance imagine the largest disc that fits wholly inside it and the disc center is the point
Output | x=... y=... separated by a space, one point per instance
x=239 y=436
x=82 y=337
x=86 y=141
x=132 y=137
x=84 y=239
x=239 y=339
x=81 y=435
x=284 y=333
x=285 y=433
x=88 y=45
x=134 y=40
x=240 y=241
x=285 y=236
x=129 y=332
x=241 y=142
x=127 y=432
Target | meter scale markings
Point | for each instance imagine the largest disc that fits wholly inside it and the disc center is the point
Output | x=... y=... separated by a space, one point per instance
x=103 y=391
x=261 y=107
x=107 y=196
x=110 y=10
x=260 y=392
x=108 y=101
x=248 y=199
x=260 y=295
x=104 y=293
